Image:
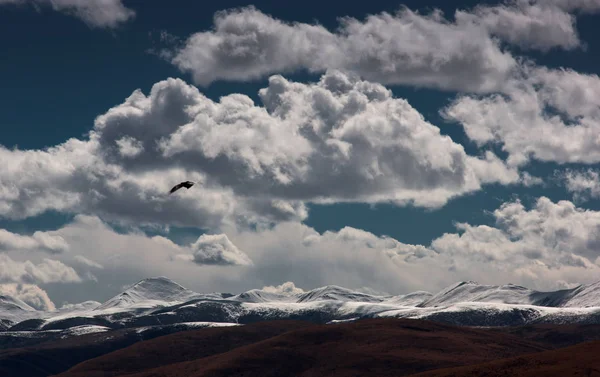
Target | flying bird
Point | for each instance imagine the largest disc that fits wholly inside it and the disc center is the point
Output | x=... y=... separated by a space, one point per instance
x=186 y=184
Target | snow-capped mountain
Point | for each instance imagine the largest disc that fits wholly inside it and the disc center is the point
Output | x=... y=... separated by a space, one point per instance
x=162 y=302
x=334 y=292
x=411 y=299
x=582 y=296
x=158 y=291
x=470 y=291
x=13 y=310
x=258 y=295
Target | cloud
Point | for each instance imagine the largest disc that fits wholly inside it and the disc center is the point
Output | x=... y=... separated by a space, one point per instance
x=287 y=289
x=583 y=6
x=217 y=249
x=537 y=247
x=114 y=248
x=44 y=241
x=129 y=147
x=88 y=262
x=73 y=177
x=529 y=180
x=340 y=139
x=400 y=48
x=404 y=48
x=536 y=25
x=534 y=247
x=30 y=294
x=550 y=236
x=48 y=271
x=350 y=257
x=97 y=13
x=87 y=305
x=130 y=255
x=584 y=184
x=289 y=251
x=547 y=115
x=352 y=141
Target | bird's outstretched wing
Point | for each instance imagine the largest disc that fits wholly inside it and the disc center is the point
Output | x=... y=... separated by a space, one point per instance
x=186 y=184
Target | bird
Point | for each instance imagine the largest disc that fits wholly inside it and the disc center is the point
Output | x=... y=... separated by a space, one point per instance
x=186 y=184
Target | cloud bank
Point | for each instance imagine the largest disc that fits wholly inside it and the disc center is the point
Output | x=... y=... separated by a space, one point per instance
x=542 y=247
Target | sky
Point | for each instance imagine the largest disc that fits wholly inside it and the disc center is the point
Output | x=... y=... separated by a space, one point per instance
x=381 y=146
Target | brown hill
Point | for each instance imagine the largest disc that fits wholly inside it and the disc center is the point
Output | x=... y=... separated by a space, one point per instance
x=580 y=360
x=380 y=347
x=556 y=336
x=57 y=356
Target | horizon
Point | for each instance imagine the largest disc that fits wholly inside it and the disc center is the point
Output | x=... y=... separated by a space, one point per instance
x=392 y=147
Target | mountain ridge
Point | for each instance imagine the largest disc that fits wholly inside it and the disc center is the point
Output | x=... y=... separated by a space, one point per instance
x=159 y=301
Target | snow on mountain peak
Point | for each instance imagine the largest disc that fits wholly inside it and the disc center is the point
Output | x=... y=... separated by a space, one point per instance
x=14 y=310
x=8 y=303
x=150 y=292
x=584 y=296
x=410 y=299
x=334 y=292
x=260 y=295
x=470 y=291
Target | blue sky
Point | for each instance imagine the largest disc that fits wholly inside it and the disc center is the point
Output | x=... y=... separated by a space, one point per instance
x=62 y=67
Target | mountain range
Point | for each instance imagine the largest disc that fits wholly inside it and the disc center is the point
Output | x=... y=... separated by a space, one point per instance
x=157 y=307
x=160 y=301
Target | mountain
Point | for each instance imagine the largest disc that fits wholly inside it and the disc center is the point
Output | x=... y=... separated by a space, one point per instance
x=411 y=299
x=28 y=356
x=583 y=296
x=160 y=301
x=158 y=291
x=578 y=360
x=161 y=306
x=366 y=348
x=334 y=292
x=13 y=310
x=258 y=295
x=470 y=291
x=82 y=306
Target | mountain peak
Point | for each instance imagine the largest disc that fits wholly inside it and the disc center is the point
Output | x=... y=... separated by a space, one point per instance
x=150 y=292
x=12 y=303
x=335 y=292
x=158 y=280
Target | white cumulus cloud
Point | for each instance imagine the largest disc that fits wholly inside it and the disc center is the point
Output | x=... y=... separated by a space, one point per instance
x=537 y=247
x=406 y=47
x=95 y=13
x=401 y=48
x=584 y=184
x=287 y=289
x=44 y=241
x=542 y=242
x=341 y=139
x=530 y=24
x=27 y=272
x=547 y=115
x=217 y=249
